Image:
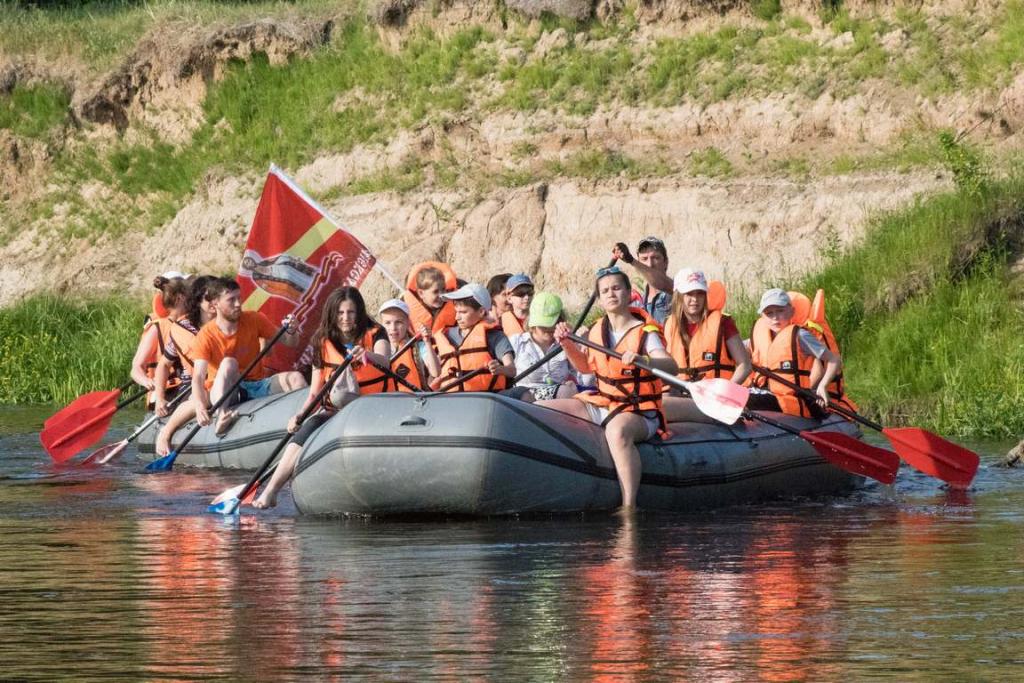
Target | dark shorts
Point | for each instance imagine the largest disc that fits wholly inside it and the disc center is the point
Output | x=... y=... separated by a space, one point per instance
x=312 y=423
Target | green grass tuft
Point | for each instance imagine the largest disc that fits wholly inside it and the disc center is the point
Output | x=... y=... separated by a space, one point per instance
x=33 y=111
x=52 y=350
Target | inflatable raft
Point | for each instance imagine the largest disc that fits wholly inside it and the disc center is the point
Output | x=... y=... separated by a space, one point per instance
x=260 y=426
x=483 y=454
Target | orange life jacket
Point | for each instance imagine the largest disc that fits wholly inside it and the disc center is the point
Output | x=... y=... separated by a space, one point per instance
x=183 y=339
x=819 y=326
x=629 y=389
x=787 y=359
x=163 y=327
x=707 y=355
x=406 y=367
x=370 y=379
x=511 y=324
x=470 y=355
x=419 y=314
x=761 y=337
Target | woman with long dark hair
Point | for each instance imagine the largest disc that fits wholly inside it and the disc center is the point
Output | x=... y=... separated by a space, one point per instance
x=346 y=329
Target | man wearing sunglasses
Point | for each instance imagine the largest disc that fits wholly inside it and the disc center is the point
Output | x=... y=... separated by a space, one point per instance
x=651 y=262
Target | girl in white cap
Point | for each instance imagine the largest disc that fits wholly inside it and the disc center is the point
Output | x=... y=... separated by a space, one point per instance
x=703 y=340
x=418 y=364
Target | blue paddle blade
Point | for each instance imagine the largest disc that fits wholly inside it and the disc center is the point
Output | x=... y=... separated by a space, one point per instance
x=163 y=464
x=225 y=507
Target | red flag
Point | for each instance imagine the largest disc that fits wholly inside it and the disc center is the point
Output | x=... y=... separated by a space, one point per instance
x=296 y=255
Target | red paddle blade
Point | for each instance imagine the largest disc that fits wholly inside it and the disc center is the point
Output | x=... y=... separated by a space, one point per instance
x=933 y=455
x=91 y=400
x=63 y=441
x=251 y=496
x=853 y=455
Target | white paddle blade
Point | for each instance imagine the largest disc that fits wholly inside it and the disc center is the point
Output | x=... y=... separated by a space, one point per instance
x=719 y=399
x=232 y=492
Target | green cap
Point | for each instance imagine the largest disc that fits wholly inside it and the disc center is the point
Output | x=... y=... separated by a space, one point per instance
x=544 y=310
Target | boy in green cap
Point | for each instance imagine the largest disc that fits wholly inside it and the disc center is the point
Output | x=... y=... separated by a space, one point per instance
x=555 y=378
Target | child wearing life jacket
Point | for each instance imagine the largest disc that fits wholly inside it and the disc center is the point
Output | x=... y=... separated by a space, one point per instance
x=519 y=292
x=177 y=358
x=555 y=378
x=426 y=283
x=628 y=400
x=226 y=346
x=473 y=343
x=346 y=329
x=499 y=301
x=703 y=341
x=418 y=364
x=793 y=352
x=171 y=303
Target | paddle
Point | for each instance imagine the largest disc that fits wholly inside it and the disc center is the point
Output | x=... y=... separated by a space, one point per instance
x=111 y=451
x=89 y=400
x=228 y=502
x=843 y=451
x=923 y=450
x=717 y=398
x=165 y=463
x=74 y=431
x=461 y=380
x=555 y=348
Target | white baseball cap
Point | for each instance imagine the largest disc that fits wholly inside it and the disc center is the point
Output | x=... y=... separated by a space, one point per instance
x=471 y=290
x=176 y=275
x=773 y=297
x=690 y=280
x=393 y=303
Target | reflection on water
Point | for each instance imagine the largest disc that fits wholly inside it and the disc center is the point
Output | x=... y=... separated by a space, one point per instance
x=107 y=572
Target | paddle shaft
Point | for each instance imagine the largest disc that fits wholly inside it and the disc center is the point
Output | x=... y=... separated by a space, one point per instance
x=170 y=406
x=401 y=380
x=131 y=399
x=553 y=351
x=234 y=387
x=461 y=380
x=404 y=347
x=660 y=374
x=314 y=404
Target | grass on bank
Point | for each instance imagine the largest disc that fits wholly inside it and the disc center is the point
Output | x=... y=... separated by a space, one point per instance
x=52 y=350
x=358 y=91
x=929 y=313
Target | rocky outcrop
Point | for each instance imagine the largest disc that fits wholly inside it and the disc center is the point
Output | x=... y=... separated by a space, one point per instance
x=164 y=81
x=568 y=9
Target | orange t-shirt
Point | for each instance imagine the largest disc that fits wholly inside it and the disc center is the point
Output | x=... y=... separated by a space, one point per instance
x=213 y=346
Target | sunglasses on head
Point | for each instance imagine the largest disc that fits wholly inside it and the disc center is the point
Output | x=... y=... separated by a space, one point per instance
x=611 y=270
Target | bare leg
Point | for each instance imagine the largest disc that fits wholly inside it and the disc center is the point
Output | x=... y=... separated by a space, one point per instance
x=284 y=382
x=566 y=391
x=679 y=409
x=182 y=414
x=284 y=471
x=622 y=433
x=227 y=375
x=569 y=406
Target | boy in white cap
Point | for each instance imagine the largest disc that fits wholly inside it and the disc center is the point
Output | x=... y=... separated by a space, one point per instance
x=473 y=343
x=418 y=364
x=808 y=362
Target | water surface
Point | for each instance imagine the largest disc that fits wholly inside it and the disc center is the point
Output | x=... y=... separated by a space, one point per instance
x=110 y=573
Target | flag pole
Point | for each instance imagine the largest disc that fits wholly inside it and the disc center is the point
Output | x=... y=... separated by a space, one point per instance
x=283 y=177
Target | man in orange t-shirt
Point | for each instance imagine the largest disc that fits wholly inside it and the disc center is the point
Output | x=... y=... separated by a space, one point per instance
x=226 y=345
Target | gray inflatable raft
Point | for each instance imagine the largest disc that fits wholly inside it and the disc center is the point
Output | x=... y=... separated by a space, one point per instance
x=483 y=454
x=261 y=425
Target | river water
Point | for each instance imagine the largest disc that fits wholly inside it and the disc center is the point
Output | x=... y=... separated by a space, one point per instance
x=108 y=573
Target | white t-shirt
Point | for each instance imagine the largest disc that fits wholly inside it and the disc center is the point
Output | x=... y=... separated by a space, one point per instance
x=557 y=370
x=654 y=342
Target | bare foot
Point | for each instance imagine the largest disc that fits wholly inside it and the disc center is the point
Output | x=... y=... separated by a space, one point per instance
x=225 y=420
x=265 y=502
x=163 y=443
